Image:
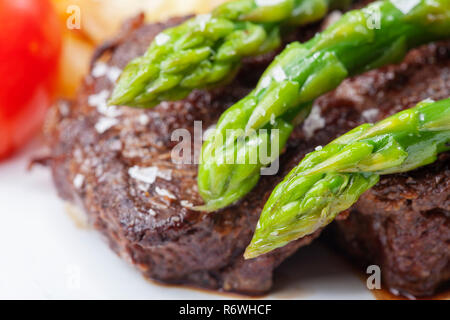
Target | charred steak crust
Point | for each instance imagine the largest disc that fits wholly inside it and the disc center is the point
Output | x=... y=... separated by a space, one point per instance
x=151 y=225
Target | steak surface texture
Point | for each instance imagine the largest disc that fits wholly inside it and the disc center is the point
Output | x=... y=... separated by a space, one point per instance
x=116 y=165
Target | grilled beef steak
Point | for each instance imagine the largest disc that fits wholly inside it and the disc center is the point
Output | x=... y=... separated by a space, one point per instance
x=403 y=223
x=116 y=164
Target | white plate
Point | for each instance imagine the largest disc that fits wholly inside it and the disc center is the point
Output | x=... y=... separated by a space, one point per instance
x=45 y=256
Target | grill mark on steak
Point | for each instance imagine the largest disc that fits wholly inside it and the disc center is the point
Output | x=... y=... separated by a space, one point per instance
x=206 y=249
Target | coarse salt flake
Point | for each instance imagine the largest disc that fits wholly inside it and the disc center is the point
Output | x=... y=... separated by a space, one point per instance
x=101 y=69
x=278 y=74
x=314 y=122
x=162 y=39
x=405 y=6
x=99 y=101
x=143 y=119
x=113 y=73
x=149 y=174
x=104 y=124
x=164 y=193
x=78 y=181
x=186 y=204
x=370 y=114
x=203 y=19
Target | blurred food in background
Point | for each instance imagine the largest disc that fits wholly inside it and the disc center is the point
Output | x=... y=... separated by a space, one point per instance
x=100 y=20
x=35 y=44
x=30 y=38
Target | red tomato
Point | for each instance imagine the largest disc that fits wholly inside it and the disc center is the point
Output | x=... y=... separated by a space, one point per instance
x=30 y=45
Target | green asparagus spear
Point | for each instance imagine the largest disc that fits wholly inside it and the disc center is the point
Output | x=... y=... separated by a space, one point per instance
x=331 y=179
x=361 y=40
x=208 y=49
